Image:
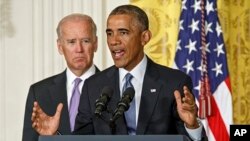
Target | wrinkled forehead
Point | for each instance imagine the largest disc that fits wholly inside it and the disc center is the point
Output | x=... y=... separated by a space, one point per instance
x=77 y=29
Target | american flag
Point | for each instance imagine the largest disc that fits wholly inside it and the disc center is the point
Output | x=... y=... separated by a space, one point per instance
x=201 y=53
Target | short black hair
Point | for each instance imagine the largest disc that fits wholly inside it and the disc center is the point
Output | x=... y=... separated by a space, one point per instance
x=139 y=14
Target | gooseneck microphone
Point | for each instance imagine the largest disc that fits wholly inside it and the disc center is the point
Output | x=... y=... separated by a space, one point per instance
x=124 y=103
x=101 y=103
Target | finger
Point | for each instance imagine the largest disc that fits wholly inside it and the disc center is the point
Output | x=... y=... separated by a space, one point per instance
x=187 y=92
x=34 y=125
x=33 y=116
x=188 y=107
x=188 y=97
x=188 y=101
x=35 y=103
x=177 y=97
x=184 y=99
x=39 y=112
x=34 y=112
x=37 y=108
x=58 y=110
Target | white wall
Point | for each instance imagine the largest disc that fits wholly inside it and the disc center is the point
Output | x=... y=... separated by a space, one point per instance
x=28 y=50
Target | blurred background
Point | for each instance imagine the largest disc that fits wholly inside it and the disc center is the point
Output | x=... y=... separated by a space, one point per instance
x=28 y=51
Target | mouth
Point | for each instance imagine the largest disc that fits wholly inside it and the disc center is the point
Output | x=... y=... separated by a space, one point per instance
x=79 y=59
x=117 y=54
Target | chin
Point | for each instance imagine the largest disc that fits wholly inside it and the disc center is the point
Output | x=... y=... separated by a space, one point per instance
x=81 y=67
x=118 y=65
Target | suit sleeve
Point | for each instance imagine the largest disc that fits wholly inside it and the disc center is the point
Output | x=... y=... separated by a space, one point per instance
x=29 y=134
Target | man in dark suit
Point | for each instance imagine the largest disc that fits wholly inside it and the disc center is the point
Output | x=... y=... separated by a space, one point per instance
x=159 y=106
x=163 y=101
x=77 y=42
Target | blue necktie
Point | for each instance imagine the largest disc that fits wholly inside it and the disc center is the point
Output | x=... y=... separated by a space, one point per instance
x=74 y=102
x=130 y=114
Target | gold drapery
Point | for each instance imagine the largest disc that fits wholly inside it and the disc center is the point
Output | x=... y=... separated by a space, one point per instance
x=235 y=21
x=164 y=19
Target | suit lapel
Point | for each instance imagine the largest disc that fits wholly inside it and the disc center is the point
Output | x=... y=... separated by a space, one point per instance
x=96 y=69
x=113 y=77
x=150 y=92
x=58 y=94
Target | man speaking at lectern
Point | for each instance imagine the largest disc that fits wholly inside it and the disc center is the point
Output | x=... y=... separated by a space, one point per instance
x=163 y=103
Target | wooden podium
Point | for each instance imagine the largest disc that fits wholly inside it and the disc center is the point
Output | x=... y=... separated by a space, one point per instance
x=114 y=138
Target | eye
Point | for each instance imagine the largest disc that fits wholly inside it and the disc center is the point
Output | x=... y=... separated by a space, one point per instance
x=123 y=32
x=71 y=41
x=109 y=33
x=86 y=41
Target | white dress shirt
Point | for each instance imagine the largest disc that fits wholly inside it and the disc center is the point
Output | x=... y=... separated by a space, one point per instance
x=71 y=80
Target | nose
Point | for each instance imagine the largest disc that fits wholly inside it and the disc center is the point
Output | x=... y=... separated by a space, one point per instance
x=79 y=46
x=114 y=40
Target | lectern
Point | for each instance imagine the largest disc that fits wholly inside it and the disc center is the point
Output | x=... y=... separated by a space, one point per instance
x=114 y=138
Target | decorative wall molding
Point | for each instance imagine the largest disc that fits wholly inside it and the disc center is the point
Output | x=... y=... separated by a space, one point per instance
x=3 y=30
x=2 y=88
x=6 y=26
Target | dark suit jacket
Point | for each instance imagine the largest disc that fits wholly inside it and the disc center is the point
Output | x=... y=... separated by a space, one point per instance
x=48 y=93
x=157 y=111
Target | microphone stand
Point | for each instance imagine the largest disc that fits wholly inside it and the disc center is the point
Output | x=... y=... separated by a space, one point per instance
x=112 y=126
x=111 y=122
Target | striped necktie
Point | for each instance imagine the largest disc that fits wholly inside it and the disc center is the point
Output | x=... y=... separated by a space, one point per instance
x=74 y=102
x=130 y=114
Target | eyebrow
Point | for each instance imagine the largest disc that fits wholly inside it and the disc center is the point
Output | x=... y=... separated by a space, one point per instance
x=69 y=39
x=123 y=29
x=108 y=30
x=120 y=29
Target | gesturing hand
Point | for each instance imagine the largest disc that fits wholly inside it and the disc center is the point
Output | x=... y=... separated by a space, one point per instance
x=44 y=124
x=186 y=108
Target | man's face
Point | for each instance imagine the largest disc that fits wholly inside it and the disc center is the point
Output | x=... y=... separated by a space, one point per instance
x=125 y=41
x=78 y=44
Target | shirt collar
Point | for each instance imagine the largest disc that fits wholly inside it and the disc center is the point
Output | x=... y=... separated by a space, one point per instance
x=138 y=71
x=71 y=76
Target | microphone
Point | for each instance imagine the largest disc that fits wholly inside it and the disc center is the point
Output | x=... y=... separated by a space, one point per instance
x=124 y=103
x=101 y=103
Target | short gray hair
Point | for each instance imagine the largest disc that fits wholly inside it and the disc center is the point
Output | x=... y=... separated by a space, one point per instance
x=76 y=16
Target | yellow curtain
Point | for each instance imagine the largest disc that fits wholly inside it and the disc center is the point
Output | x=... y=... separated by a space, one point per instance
x=164 y=19
x=235 y=21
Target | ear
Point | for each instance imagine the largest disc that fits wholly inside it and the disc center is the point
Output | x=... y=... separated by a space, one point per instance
x=146 y=36
x=59 y=46
x=96 y=44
